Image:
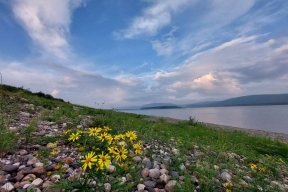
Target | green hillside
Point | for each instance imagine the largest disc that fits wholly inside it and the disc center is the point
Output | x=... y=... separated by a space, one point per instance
x=161 y=154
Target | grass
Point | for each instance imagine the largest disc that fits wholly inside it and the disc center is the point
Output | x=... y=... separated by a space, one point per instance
x=216 y=144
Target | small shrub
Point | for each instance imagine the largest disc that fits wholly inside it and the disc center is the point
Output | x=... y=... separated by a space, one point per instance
x=192 y=121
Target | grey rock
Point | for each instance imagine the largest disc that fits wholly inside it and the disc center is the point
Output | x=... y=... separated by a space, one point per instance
x=22 y=152
x=225 y=176
x=111 y=169
x=7 y=187
x=151 y=189
x=164 y=178
x=158 y=159
x=29 y=177
x=25 y=114
x=140 y=187
x=145 y=172
x=243 y=183
x=51 y=167
x=107 y=187
x=149 y=183
x=154 y=173
x=164 y=171
x=247 y=178
x=37 y=182
x=174 y=174
x=48 y=184
x=166 y=160
x=169 y=187
x=137 y=159
x=194 y=180
x=10 y=168
x=149 y=165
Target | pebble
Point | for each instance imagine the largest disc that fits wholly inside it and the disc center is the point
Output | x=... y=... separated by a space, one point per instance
x=7 y=187
x=164 y=171
x=107 y=187
x=154 y=173
x=164 y=178
x=137 y=159
x=225 y=176
x=29 y=177
x=10 y=168
x=149 y=164
x=145 y=172
x=174 y=174
x=169 y=187
x=140 y=187
x=47 y=184
x=149 y=183
x=37 y=182
x=111 y=169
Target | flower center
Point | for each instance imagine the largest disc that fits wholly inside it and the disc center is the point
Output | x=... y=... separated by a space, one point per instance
x=88 y=159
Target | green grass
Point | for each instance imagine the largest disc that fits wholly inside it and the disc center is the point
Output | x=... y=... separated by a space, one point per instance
x=213 y=142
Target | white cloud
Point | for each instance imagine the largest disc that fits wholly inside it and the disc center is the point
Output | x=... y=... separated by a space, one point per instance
x=55 y=92
x=47 y=23
x=228 y=69
x=154 y=18
x=166 y=45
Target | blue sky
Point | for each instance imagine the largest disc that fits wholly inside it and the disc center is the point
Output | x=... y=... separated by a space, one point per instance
x=129 y=52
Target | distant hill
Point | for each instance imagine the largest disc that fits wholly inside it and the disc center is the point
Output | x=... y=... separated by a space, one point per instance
x=249 y=100
x=129 y=108
x=160 y=106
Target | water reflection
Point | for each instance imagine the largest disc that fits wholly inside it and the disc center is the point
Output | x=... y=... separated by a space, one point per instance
x=268 y=118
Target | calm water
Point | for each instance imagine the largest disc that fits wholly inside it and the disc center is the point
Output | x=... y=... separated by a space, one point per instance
x=267 y=118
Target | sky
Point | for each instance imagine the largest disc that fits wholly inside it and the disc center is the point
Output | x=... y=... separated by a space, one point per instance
x=115 y=53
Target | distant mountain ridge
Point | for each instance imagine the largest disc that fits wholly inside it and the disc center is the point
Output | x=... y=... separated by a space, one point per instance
x=249 y=100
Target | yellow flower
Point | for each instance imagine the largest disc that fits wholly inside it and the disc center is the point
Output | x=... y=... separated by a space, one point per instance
x=121 y=153
x=73 y=137
x=281 y=161
x=58 y=166
x=261 y=169
x=99 y=166
x=106 y=128
x=104 y=159
x=79 y=132
x=131 y=135
x=49 y=173
x=120 y=136
x=112 y=150
x=103 y=136
x=137 y=148
x=89 y=160
x=51 y=145
x=66 y=132
x=121 y=165
x=81 y=148
x=228 y=190
x=55 y=151
x=228 y=184
x=253 y=166
x=94 y=131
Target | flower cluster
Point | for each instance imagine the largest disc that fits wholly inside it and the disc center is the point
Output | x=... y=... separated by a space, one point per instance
x=100 y=147
x=54 y=148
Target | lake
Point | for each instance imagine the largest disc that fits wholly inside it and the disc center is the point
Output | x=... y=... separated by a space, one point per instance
x=273 y=118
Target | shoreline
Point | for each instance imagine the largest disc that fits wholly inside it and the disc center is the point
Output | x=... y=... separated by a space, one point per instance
x=283 y=137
